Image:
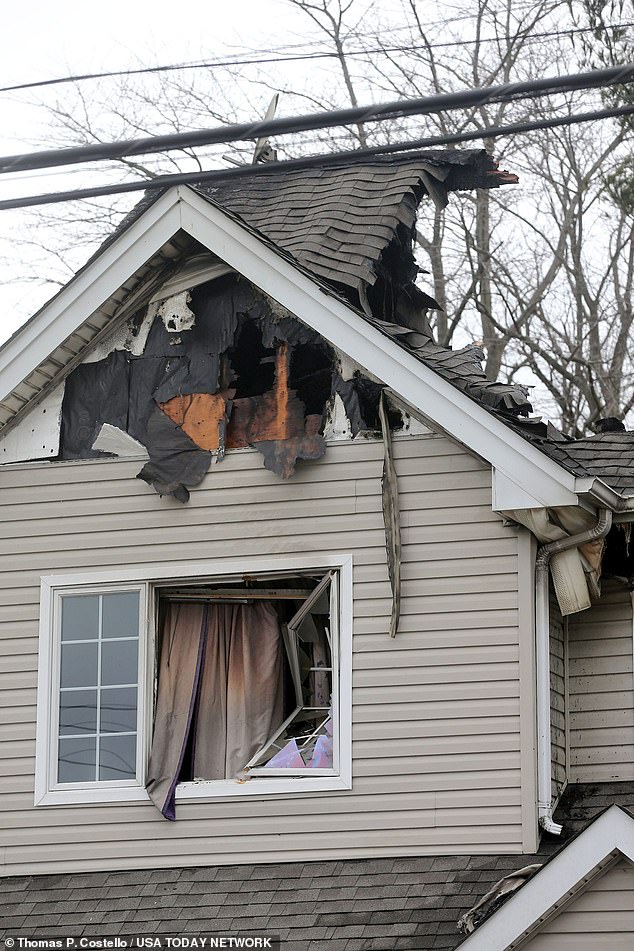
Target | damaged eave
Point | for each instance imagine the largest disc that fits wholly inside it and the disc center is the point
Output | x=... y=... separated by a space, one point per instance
x=276 y=275
x=87 y=292
x=378 y=354
x=609 y=836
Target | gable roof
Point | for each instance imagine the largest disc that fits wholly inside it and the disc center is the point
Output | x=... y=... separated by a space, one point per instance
x=608 y=837
x=140 y=256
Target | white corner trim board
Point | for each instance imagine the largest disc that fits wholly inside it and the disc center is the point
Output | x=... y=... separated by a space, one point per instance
x=36 y=436
x=560 y=880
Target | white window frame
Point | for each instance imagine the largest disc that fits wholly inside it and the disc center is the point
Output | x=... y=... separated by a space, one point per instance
x=146 y=579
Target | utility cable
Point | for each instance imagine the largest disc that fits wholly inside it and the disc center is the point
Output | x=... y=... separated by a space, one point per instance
x=336 y=158
x=296 y=57
x=51 y=158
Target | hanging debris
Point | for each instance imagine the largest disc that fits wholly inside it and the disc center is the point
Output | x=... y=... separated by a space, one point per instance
x=391 y=519
x=221 y=367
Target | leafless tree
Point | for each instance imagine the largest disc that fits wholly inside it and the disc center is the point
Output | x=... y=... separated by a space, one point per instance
x=517 y=270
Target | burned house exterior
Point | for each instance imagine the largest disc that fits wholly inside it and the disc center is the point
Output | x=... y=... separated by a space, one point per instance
x=307 y=628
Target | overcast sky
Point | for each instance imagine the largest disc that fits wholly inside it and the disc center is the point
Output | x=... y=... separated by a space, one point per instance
x=42 y=40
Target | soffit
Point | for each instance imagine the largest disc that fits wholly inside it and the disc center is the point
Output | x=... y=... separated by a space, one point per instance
x=134 y=293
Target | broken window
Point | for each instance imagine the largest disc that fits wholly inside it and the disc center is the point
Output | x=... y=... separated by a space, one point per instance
x=190 y=686
x=245 y=682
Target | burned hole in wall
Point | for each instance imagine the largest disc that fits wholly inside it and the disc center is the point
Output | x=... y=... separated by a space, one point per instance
x=252 y=364
x=239 y=371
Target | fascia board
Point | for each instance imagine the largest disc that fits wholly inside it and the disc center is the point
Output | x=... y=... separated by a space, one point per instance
x=437 y=399
x=24 y=352
x=559 y=880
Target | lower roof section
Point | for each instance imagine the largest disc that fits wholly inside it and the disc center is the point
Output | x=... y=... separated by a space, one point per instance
x=382 y=904
x=356 y=905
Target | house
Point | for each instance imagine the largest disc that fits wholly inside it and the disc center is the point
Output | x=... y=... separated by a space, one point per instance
x=307 y=628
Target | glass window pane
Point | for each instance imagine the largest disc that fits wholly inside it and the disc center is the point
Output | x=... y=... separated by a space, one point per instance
x=77 y=712
x=76 y=762
x=119 y=662
x=121 y=614
x=80 y=617
x=79 y=665
x=118 y=710
x=117 y=757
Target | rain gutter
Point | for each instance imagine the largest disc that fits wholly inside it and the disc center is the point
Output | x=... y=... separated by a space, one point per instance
x=542 y=637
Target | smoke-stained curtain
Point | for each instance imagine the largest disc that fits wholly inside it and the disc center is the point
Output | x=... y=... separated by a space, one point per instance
x=221 y=686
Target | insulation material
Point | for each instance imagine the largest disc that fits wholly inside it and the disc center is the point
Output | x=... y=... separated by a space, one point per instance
x=176 y=313
x=218 y=366
x=337 y=422
x=572 y=572
x=117 y=443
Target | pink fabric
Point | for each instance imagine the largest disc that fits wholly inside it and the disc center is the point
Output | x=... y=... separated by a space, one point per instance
x=288 y=757
x=322 y=754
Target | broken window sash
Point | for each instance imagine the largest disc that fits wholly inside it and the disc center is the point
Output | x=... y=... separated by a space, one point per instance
x=322 y=600
x=302 y=746
x=311 y=602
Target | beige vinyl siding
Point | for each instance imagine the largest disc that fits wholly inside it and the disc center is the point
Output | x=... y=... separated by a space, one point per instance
x=557 y=698
x=601 y=690
x=601 y=919
x=437 y=742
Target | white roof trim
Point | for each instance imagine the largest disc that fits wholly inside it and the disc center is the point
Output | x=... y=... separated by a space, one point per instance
x=181 y=208
x=87 y=292
x=560 y=879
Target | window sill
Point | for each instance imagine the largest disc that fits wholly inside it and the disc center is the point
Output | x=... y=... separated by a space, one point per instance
x=293 y=785
x=188 y=792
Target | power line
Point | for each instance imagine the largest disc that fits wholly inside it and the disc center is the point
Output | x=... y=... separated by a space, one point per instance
x=427 y=105
x=336 y=158
x=299 y=57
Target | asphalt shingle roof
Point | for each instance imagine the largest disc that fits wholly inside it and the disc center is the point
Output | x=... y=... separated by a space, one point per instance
x=383 y=904
x=336 y=220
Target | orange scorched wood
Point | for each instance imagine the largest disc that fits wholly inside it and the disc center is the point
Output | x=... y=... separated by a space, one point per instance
x=201 y=416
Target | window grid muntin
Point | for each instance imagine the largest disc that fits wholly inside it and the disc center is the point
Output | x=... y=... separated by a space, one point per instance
x=58 y=617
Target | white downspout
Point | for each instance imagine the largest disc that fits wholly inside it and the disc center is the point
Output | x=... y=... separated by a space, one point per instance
x=542 y=636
